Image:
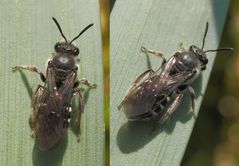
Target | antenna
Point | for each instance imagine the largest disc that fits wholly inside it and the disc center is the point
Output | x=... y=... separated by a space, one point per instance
x=205 y=34
x=220 y=49
x=90 y=25
x=59 y=27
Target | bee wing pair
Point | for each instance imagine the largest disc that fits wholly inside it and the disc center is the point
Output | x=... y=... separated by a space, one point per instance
x=52 y=110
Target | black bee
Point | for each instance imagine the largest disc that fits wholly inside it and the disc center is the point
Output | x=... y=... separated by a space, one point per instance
x=52 y=102
x=159 y=93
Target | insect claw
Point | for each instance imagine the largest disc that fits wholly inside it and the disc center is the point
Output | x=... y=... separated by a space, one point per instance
x=194 y=115
x=93 y=86
x=15 y=68
x=32 y=134
x=78 y=138
x=121 y=103
x=143 y=49
x=119 y=106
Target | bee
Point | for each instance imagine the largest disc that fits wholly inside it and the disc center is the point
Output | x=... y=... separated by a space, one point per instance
x=51 y=103
x=159 y=93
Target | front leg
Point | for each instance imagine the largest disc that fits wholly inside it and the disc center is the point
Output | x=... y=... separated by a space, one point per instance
x=181 y=47
x=85 y=82
x=81 y=104
x=192 y=95
x=154 y=52
x=31 y=69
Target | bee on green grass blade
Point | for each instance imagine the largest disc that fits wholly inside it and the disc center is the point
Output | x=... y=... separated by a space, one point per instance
x=51 y=102
x=159 y=93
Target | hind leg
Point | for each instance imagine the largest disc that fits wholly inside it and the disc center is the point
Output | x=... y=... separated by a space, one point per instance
x=31 y=69
x=81 y=104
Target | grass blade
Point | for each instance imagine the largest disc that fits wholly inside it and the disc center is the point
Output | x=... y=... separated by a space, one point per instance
x=161 y=25
x=28 y=36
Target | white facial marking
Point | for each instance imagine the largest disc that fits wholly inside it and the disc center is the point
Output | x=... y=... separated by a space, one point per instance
x=63 y=59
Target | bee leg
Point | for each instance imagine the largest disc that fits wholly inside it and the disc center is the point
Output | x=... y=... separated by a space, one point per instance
x=138 y=79
x=34 y=115
x=34 y=95
x=87 y=83
x=31 y=69
x=181 y=47
x=80 y=111
x=154 y=52
x=192 y=95
x=170 y=110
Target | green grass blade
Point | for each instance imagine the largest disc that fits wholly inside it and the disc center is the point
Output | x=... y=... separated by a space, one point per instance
x=161 y=25
x=28 y=36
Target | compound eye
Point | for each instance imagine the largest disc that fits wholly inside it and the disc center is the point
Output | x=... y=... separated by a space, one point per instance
x=57 y=46
x=76 y=51
x=205 y=61
x=76 y=68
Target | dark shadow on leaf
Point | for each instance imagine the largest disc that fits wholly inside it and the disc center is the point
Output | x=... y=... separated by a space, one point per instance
x=26 y=83
x=112 y=2
x=132 y=136
x=29 y=91
x=52 y=157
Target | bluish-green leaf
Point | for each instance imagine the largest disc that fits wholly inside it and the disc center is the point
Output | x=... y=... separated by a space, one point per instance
x=28 y=36
x=161 y=25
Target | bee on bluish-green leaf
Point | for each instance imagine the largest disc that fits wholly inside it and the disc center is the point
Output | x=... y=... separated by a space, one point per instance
x=51 y=102
x=159 y=93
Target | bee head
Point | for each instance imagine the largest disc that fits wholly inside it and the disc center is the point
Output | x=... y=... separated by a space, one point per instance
x=201 y=54
x=67 y=46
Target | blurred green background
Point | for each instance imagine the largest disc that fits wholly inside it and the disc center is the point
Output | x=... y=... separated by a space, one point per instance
x=215 y=137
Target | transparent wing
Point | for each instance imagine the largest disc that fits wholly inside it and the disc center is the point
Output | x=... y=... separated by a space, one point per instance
x=150 y=78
